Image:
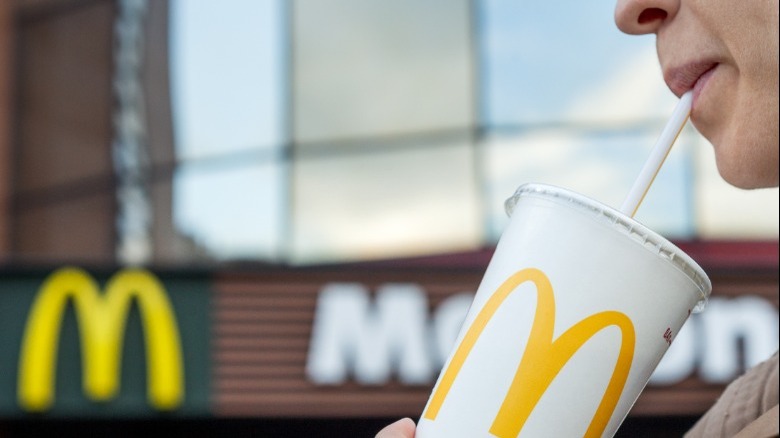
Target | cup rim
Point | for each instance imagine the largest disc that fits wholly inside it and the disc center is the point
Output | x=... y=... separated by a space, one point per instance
x=640 y=233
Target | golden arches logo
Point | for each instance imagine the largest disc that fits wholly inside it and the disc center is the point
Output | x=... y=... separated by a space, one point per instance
x=543 y=358
x=101 y=321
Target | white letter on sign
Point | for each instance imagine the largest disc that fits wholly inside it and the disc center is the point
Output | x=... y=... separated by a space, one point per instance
x=350 y=332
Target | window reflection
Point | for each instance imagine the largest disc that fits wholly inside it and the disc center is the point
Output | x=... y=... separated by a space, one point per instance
x=227 y=90
x=404 y=201
x=598 y=164
x=329 y=130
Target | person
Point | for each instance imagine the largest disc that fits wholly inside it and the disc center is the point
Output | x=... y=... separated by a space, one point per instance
x=727 y=53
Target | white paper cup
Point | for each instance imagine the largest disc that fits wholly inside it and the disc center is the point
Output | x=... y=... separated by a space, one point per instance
x=578 y=305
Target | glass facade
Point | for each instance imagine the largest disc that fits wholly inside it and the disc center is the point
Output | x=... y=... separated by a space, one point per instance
x=340 y=130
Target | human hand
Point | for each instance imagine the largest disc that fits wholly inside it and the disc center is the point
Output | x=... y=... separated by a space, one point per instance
x=403 y=428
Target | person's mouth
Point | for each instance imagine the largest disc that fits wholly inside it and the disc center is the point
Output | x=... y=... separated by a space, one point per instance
x=691 y=76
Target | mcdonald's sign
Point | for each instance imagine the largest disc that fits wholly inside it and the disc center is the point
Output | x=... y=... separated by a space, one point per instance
x=101 y=320
x=543 y=359
x=327 y=342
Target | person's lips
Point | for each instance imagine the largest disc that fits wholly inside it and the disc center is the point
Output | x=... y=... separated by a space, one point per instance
x=687 y=76
x=699 y=85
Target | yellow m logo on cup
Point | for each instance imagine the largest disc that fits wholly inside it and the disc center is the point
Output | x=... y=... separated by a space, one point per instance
x=543 y=358
x=101 y=321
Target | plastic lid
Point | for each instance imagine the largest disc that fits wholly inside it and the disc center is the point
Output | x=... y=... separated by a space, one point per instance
x=644 y=236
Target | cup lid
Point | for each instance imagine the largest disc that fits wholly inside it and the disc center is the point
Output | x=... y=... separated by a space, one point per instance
x=641 y=234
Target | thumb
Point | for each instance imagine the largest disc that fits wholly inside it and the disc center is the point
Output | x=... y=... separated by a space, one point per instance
x=403 y=428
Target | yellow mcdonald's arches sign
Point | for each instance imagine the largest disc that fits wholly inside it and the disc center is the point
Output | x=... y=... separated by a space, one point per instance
x=101 y=320
x=543 y=358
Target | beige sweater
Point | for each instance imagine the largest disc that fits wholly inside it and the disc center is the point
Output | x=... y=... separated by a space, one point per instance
x=747 y=408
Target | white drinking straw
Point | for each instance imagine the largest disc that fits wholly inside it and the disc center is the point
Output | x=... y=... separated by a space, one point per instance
x=657 y=156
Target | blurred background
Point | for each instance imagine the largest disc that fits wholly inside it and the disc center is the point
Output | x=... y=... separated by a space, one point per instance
x=253 y=153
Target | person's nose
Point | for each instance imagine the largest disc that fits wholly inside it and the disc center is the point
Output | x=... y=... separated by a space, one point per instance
x=637 y=17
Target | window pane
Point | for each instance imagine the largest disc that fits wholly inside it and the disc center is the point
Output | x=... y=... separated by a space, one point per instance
x=231 y=212
x=368 y=68
x=600 y=165
x=546 y=61
x=226 y=81
x=386 y=203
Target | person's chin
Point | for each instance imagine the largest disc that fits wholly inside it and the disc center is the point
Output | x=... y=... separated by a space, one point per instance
x=747 y=159
x=738 y=176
